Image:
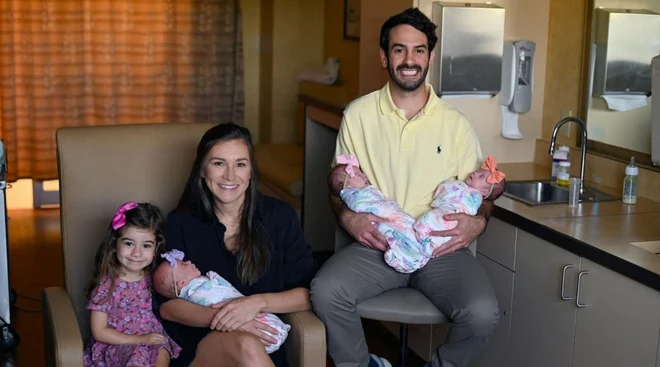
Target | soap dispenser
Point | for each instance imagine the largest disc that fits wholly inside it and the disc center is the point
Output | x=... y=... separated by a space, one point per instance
x=630 y=183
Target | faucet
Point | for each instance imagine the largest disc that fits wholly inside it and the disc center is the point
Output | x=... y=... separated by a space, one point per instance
x=583 y=156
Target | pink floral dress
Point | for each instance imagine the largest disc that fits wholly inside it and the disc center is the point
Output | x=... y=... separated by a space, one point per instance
x=129 y=311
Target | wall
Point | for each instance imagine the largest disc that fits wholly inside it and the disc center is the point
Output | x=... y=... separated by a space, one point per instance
x=524 y=20
x=565 y=53
x=251 y=17
x=297 y=45
x=372 y=75
x=346 y=51
x=291 y=37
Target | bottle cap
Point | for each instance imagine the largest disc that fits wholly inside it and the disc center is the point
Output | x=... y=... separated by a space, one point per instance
x=565 y=148
x=632 y=169
x=564 y=164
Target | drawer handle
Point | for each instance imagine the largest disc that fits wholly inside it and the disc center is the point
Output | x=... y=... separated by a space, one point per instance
x=577 y=298
x=563 y=282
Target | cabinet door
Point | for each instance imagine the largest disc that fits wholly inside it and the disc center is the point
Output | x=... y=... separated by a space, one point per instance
x=620 y=323
x=495 y=352
x=498 y=243
x=542 y=323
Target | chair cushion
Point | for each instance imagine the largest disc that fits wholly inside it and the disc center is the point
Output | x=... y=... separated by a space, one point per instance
x=402 y=305
x=281 y=165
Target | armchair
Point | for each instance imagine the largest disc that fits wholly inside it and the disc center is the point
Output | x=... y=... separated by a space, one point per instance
x=100 y=168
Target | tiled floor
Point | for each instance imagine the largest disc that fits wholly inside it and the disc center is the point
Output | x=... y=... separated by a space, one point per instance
x=36 y=262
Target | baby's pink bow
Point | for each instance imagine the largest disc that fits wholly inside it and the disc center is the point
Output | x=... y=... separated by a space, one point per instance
x=350 y=161
x=173 y=256
x=495 y=175
x=119 y=220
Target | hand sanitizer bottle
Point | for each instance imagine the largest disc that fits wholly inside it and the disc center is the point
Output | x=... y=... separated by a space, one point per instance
x=630 y=183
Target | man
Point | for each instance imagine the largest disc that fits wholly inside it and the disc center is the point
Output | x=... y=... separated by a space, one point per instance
x=407 y=141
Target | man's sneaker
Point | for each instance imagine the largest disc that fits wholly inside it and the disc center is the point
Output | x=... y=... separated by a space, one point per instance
x=375 y=361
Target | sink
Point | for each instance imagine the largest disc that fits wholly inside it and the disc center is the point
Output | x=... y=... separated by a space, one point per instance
x=548 y=192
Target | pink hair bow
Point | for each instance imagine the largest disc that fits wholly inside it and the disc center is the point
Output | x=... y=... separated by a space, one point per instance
x=173 y=256
x=495 y=175
x=350 y=161
x=119 y=220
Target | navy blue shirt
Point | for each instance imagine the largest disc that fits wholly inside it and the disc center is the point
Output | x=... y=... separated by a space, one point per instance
x=291 y=262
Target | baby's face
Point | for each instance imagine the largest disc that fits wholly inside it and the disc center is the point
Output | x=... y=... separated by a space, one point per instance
x=185 y=271
x=477 y=181
x=358 y=181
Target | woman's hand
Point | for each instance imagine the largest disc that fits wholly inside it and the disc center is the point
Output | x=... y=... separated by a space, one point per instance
x=236 y=312
x=258 y=329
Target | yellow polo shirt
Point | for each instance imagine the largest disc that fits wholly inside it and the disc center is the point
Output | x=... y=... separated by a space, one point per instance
x=407 y=159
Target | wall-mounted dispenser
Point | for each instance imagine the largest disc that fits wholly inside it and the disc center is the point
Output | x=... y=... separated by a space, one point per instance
x=517 y=84
x=625 y=41
x=468 y=55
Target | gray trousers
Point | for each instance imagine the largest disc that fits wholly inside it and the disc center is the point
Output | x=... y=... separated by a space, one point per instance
x=455 y=283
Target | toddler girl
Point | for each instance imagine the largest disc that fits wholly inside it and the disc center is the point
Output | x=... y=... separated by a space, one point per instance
x=178 y=278
x=410 y=243
x=125 y=332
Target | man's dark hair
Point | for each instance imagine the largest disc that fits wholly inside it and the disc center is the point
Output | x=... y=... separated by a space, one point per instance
x=413 y=17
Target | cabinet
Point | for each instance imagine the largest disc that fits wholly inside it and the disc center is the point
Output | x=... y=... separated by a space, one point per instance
x=619 y=322
x=495 y=352
x=543 y=321
x=496 y=249
x=571 y=312
x=558 y=309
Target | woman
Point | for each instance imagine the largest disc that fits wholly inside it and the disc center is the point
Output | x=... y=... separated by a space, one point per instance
x=255 y=242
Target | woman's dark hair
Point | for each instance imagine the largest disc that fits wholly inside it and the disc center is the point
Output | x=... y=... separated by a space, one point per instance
x=413 y=17
x=146 y=217
x=253 y=255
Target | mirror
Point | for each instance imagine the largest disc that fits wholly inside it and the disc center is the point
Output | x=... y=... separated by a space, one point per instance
x=624 y=37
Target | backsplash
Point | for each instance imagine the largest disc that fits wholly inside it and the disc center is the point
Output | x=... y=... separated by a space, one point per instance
x=602 y=171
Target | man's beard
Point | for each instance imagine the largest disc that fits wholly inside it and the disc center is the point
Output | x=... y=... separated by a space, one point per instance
x=408 y=85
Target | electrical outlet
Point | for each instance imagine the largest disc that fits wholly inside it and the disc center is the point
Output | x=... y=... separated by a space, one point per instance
x=565 y=130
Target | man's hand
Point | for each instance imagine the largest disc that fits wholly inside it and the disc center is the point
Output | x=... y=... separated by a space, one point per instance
x=361 y=227
x=467 y=229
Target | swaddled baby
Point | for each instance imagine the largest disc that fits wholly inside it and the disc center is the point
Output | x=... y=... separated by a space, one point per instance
x=453 y=196
x=182 y=279
x=409 y=240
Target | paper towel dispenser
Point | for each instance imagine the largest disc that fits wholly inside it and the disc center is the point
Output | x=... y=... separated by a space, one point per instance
x=468 y=55
x=625 y=41
x=655 y=111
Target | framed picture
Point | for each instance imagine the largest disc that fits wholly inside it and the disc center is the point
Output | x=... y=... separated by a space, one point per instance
x=352 y=19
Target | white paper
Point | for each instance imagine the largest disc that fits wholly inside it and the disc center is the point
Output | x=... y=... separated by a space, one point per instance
x=466 y=96
x=625 y=102
x=510 y=124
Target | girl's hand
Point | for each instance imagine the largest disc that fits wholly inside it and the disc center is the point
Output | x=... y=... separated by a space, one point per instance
x=153 y=339
x=235 y=313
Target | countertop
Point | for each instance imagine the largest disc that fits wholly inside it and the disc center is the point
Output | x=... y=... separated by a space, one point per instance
x=601 y=232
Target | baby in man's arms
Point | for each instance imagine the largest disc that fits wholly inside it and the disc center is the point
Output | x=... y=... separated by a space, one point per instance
x=410 y=244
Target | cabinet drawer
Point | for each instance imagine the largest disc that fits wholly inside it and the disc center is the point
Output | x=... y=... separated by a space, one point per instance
x=498 y=243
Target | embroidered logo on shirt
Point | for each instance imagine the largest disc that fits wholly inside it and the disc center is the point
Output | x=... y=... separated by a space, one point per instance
x=439 y=149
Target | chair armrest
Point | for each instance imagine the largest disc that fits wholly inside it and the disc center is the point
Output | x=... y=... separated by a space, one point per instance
x=305 y=346
x=62 y=340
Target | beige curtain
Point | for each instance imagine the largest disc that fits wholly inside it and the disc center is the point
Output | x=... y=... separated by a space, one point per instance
x=106 y=62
